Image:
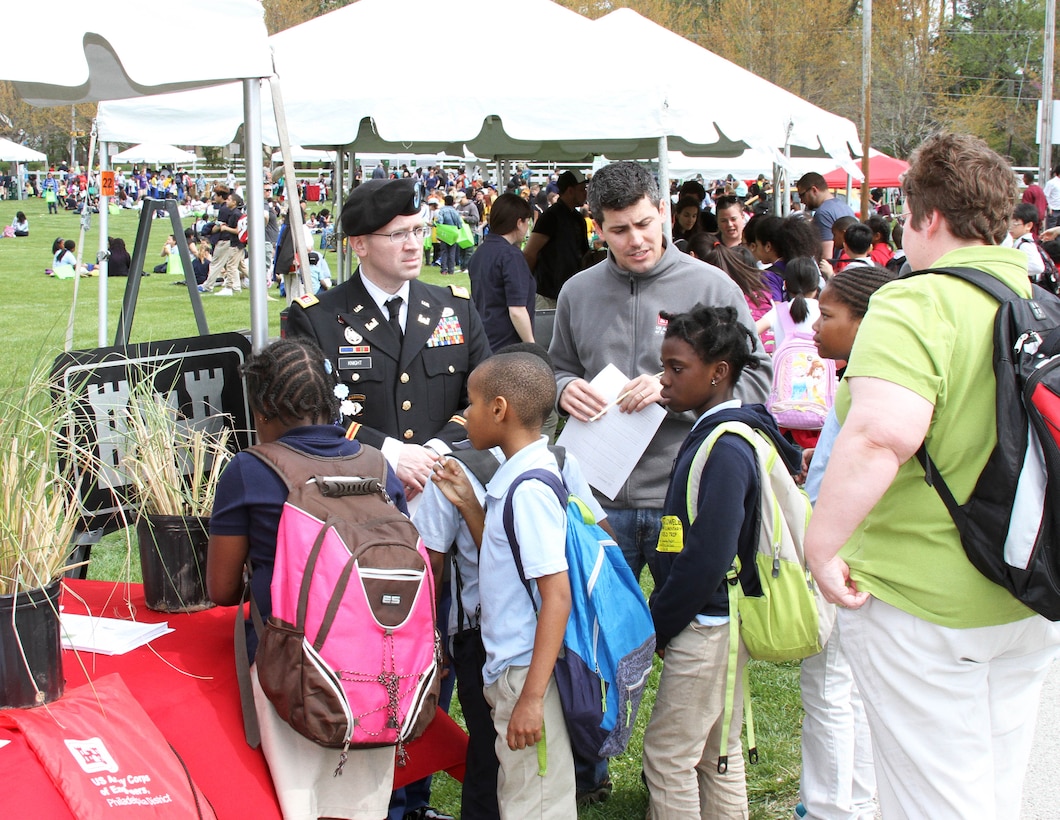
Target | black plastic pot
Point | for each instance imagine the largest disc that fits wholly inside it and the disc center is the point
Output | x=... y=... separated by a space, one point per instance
x=173 y=560
x=29 y=626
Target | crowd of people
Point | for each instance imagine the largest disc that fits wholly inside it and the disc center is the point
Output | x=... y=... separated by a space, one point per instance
x=923 y=701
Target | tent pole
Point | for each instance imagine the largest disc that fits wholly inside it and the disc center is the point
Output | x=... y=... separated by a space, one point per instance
x=786 y=205
x=104 y=243
x=664 y=185
x=347 y=260
x=340 y=155
x=779 y=184
x=299 y=280
x=259 y=315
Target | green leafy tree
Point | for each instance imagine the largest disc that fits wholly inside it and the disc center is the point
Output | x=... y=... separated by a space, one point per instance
x=993 y=76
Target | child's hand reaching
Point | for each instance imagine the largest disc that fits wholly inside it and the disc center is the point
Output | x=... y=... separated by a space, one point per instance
x=454 y=484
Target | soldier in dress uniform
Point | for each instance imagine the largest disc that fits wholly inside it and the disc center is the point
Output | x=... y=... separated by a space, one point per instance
x=403 y=366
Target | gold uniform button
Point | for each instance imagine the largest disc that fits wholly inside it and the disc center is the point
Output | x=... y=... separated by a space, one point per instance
x=452 y=369
x=409 y=434
x=406 y=405
x=405 y=379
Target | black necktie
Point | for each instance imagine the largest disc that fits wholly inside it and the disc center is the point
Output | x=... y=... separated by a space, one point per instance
x=394 y=306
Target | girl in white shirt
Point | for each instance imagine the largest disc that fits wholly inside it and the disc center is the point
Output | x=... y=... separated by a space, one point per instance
x=801 y=278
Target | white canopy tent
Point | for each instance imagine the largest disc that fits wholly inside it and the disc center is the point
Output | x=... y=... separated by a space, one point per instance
x=19 y=154
x=635 y=114
x=747 y=165
x=300 y=154
x=13 y=152
x=741 y=109
x=155 y=153
x=105 y=56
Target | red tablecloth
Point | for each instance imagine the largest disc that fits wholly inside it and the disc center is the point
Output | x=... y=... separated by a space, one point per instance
x=186 y=683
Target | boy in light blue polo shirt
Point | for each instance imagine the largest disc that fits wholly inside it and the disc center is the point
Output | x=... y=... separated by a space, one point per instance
x=510 y=396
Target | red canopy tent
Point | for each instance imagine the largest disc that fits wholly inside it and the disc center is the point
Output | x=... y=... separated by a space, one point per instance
x=884 y=172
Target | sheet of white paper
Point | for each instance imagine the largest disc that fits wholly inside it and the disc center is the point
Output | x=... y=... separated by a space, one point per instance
x=609 y=448
x=107 y=636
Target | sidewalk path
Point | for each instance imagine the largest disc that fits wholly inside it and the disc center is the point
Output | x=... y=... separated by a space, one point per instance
x=1041 y=788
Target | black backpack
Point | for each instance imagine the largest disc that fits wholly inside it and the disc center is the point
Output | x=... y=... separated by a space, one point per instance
x=1010 y=525
x=1050 y=276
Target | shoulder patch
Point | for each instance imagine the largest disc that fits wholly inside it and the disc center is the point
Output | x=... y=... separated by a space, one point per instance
x=307 y=300
x=462 y=293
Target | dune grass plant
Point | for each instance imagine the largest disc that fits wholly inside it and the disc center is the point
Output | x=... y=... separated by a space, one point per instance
x=38 y=504
x=172 y=467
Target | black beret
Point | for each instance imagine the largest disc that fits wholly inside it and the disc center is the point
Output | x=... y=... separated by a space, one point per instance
x=372 y=204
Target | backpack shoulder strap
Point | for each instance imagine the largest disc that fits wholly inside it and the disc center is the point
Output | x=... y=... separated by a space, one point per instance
x=984 y=281
x=557 y=486
x=297 y=468
x=1003 y=293
x=784 y=320
x=251 y=727
x=482 y=463
x=699 y=460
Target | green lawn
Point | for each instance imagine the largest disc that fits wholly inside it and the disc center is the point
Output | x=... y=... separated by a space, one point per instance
x=34 y=328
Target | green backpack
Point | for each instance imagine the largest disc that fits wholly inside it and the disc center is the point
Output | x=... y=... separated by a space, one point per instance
x=790 y=620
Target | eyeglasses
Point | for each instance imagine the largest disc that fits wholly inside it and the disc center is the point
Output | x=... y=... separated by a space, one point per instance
x=401 y=237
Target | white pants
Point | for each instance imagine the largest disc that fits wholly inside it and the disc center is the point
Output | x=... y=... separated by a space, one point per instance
x=952 y=711
x=303 y=772
x=838 y=780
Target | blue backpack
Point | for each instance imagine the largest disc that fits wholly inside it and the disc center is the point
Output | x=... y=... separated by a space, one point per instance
x=610 y=639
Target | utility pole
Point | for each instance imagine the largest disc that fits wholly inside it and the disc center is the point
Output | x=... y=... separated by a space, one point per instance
x=1045 y=147
x=866 y=100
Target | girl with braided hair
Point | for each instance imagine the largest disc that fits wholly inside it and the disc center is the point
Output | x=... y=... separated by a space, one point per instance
x=704 y=352
x=294 y=398
x=837 y=769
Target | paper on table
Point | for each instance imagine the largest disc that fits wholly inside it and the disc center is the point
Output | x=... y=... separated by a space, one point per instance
x=107 y=636
x=609 y=448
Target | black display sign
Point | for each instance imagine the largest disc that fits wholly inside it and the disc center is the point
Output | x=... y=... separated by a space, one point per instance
x=198 y=376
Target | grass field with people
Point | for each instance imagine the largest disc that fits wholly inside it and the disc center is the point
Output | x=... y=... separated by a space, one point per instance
x=33 y=327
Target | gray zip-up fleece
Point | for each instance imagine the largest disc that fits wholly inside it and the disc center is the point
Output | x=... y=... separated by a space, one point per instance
x=607 y=315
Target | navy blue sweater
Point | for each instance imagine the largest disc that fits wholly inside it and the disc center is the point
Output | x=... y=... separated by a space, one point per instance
x=692 y=581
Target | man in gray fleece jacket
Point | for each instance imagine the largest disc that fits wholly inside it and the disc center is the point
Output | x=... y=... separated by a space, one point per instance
x=609 y=314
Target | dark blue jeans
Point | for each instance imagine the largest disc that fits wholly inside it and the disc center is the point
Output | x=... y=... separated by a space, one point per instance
x=449 y=257
x=637 y=533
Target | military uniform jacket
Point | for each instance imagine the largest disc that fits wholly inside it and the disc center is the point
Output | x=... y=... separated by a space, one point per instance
x=410 y=391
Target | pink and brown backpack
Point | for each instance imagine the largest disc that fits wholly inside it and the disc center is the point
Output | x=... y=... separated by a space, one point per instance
x=350 y=654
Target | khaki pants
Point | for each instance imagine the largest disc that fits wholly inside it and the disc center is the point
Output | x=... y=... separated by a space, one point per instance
x=683 y=738
x=524 y=792
x=225 y=265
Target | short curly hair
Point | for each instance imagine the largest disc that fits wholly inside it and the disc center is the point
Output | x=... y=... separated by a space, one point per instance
x=971 y=186
x=619 y=185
